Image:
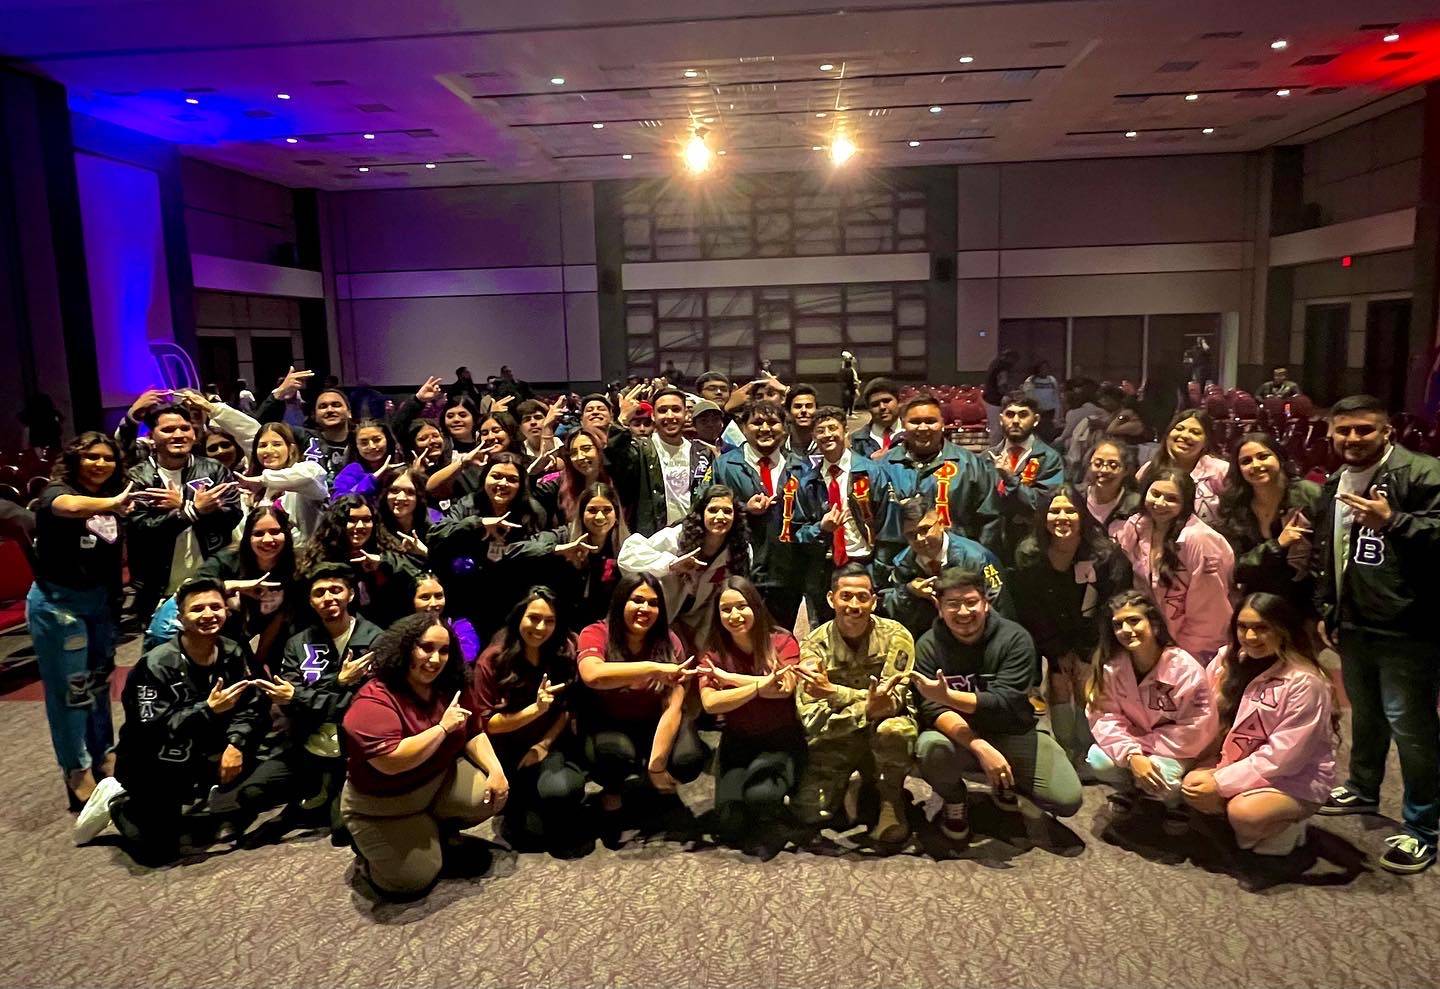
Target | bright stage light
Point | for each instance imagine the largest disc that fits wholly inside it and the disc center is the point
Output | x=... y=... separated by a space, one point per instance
x=697 y=154
x=842 y=149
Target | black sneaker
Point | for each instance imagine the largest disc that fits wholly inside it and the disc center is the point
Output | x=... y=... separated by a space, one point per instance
x=1407 y=854
x=954 y=821
x=1344 y=800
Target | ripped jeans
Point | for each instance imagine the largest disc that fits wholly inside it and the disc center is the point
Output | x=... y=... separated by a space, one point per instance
x=74 y=636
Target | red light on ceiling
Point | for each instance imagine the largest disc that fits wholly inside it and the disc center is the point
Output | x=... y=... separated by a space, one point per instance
x=1412 y=60
x=1345 y=261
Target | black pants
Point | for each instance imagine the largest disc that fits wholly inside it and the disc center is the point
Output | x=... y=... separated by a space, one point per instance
x=545 y=797
x=620 y=754
x=753 y=779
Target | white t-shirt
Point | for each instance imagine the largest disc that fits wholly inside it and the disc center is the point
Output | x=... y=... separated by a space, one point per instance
x=186 y=558
x=675 y=468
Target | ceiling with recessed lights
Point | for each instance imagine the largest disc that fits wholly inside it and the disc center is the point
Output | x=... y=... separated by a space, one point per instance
x=371 y=93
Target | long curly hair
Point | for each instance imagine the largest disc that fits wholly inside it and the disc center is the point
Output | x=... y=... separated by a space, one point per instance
x=395 y=646
x=330 y=543
x=737 y=541
x=557 y=657
x=387 y=528
x=1236 y=497
x=1170 y=564
x=67 y=468
x=1108 y=646
x=1296 y=647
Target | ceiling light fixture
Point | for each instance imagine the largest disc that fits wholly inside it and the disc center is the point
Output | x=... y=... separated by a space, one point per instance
x=816 y=147
x=292 y=140
x=936 y=109
x=820 y=114
x=282 y=96
x=1191 y=97
x=709 y=120
x=914 y=144
x=826 y=66
x=966 y=59
x=598 y=125
x=363 y=168
x=691 y=73
x=1282 y=92
x=1208 y=130
x=368 y=137
x=1392 y=37
x=192 y=101
x=1279 y=44
x=626 y=157
x=429 y=164
x=697 y=153
x=842 y=149
x=720 y=152
x=1132 y=134
x=557 y=80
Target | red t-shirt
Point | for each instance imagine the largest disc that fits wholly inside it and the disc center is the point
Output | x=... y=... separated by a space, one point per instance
x=760 y=717
x=492 y=699
x=626 y=704
x=379 y=719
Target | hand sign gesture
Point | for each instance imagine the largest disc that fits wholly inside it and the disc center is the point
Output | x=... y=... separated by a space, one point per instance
x=545 y=694
x=413 y=545
x=576 y=552
x=470 y=456
x=759 y=504
x=923 y=587
x=630 y=401
x=780 y=682
x=1373 y=512
x=553 y=412
x=355 y=668
x=420 y=465
x=817 y=679
x=293 y=382
x=455 y=716
x=501 y=404
x=279 y=691
x=495 y=525
x=388 y=467
x=1297 y=528
x=223 y=698
x=212 y=499
x=836 y=517
x=687 y=563
x=365 y=561
x=881 y=699
x=124 y=501
x=149 y=399
x=936 y=690
x=248 y=587
x=724 y=678
x=255 y=485
x=429 y=391
x=168 y=498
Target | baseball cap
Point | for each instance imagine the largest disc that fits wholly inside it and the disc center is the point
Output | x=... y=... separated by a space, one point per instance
x=643 y=410
x=704 y=405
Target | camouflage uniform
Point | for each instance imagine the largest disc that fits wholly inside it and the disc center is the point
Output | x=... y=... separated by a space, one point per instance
x=841 y=738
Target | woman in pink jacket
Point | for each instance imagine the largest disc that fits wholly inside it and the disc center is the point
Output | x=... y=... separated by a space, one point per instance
x=1181 y=562
x=1277 y=713
x=1186 y=445
x=1149 y=706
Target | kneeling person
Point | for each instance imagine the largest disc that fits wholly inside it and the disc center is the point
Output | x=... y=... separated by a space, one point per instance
x=974 y=671
x=855 y=707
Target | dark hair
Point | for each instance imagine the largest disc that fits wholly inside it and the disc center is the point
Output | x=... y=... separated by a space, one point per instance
x=1107 y=645
x=1359 y=405
x=851 y=570
x=878 y=385
x=619 y=532
x=529 y=407
x=284 y=568
x=330 y=542
x=667 y=390
x=198 y=585
x=556 y=660
x=831 y=412
x=961 y=579
x=799 y=390
x=352 y=450
x=211 y=429
x=1128 y=465
x=657 y=640
x=328 y=571
x=919 y=401
x=523 y=509
x=464 y=401
x=506 y=422
x=285 y=433
x=333 y=390
x=709 y=376
x=914 y=508
x=1095 y=544
x=596 y=396
x=387 y=528
x=1170 y=565
x=412 y=434
x=762 y=407
x=1020 y=398
x=737 y=541
x=391 y=665
x=1296 y=647
x=67 y=468
x=1237 y=495
x=762 y=629
x=173 y=409
x=1162 y=456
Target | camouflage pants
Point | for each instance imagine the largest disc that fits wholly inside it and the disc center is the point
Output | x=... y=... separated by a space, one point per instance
x=881 y=752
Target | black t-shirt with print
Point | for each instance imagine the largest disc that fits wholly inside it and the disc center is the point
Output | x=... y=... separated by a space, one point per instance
x=77 y=553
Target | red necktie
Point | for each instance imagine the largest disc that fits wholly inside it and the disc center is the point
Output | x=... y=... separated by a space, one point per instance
x=1015 y=452
x=840 y=556
x=766 y=481
x=885 y=442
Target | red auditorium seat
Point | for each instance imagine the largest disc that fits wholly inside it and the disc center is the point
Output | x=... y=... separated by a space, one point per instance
x=1217 y=407
x=1244 y=407
x=15 y=581
x=1301 y=407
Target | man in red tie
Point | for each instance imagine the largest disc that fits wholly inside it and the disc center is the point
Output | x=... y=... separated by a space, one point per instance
x=1029 y=469
x=842 y=499
x=765 y=479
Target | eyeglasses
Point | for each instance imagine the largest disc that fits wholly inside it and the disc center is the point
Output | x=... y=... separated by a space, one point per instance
x=1104 y=464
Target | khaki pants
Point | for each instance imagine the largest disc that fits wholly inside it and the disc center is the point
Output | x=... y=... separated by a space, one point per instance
x=399 y=835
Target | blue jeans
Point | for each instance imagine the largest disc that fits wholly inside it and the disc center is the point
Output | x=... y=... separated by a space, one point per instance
x=1393 y=684
x=74 y=636
x=1106 y=770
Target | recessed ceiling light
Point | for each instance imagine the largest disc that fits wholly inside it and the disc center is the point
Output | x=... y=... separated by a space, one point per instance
x=292 y=140
x=1392 y=36
x=708 y=120
x=914 y=144
x=820 y=114
x=1191 y=97
x=1279 y=44
x=192 y=101
x=691 y=73
x=598 y=125
x=1208 y=130
x=966 y=59
x=936 y=109
x=626 y=157
x=429 y=164
x=557 y=81
x=368 y=137
x=1282 y=92
x=1132 y=133
x=282 y=96
x=826 y=66
x=816 y=147
x=363 y=168
x=720 y=152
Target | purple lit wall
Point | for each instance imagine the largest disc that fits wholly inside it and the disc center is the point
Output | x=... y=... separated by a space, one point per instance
x=125 y=258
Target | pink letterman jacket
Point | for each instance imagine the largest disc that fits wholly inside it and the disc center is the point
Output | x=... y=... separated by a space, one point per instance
x=1198 y=610
x=1281 y=737
x=1169 y=713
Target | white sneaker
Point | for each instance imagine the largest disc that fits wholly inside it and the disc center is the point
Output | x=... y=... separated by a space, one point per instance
x=94 y=817
x=1283 y=842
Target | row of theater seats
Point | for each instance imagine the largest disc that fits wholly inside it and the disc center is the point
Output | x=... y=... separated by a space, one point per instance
x=23 y=475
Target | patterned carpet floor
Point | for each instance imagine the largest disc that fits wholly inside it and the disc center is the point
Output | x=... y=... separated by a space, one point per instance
x=1028 y=904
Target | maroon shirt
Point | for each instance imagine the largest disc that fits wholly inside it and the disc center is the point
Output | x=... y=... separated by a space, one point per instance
x=759 y=717
x=626 y=704
x=379 y=719
x=493 y=699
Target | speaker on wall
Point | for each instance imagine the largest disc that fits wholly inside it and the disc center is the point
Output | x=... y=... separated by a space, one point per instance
x=942 y=268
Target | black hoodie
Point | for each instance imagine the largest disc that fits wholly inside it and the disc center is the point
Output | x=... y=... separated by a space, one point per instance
x=1000 y=669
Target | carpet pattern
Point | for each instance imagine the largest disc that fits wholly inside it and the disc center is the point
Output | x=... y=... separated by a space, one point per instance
x=1030 y=903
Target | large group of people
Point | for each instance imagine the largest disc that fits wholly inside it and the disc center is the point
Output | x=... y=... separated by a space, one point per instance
x=395 y=628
